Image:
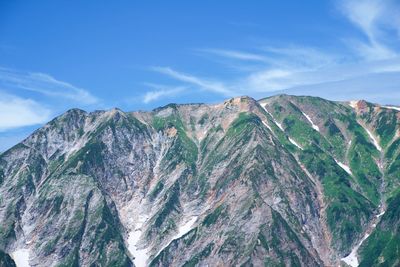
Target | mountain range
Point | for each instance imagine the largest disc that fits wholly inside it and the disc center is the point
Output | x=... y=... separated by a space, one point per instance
x=282 y=181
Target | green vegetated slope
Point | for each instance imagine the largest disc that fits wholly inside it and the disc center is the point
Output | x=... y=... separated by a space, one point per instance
x=352 y=199
x=261 y=195
x=382 y=248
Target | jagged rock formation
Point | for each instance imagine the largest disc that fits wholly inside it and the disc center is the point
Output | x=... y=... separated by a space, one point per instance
x=284 y=181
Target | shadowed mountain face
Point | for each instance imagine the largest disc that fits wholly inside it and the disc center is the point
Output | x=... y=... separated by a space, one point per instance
x=284 y=181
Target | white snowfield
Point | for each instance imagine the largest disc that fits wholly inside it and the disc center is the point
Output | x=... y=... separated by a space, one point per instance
x=380 y=214
x=182 y=230
x=280 y=127
x=294 y=143
x=266 y=125
x=140 y=255
x=344 y=167
x=277 y=123
x=185 y=228
x=315 y=127
x=373 y=138
x=392 y=107
x=353 y=104
x=21 y=257
x=352 y=259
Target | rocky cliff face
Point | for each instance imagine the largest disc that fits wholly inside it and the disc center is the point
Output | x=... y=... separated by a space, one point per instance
x=284 y=181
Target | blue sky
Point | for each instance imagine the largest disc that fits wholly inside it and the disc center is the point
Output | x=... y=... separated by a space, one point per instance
x=56 y=55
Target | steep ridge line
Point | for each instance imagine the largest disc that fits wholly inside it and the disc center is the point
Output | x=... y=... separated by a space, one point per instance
x=324 y=252
x=324 y=255
x=141 y=242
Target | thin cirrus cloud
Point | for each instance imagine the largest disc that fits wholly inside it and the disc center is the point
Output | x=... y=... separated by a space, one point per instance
x=160 y=91
x=18 y=112
x=234 y=54
x=206 y=84
x=375 y=18
x=44 y=84
x=365 y=62
x=19 y=109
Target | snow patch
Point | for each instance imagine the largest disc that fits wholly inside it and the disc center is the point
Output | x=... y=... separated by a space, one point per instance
x=140 y=255
x=269 y=113
x=185 y=228
x=391 y=107
x=380 y=165
x=279 y=125
x=352 y=259
x=312 y=123
x=182 y=230
x=380 y=214
x=344 y=167
x=21 y=257
x=353 y=104
x=373 y=138
x=277 y=200
x=266 y=125
x=75 y=147
x=294 y=143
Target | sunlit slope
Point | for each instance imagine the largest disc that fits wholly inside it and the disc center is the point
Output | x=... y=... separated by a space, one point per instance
x=286 y=180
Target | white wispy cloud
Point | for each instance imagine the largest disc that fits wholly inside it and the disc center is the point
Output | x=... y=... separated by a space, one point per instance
x=44 y=84
x=375 y=18
x=161 y=91
x=365 y=63
x=18 y=112
x=234 y=54
x=301 y=57
x=277 y=80
x=375 y=87
x=206 y=84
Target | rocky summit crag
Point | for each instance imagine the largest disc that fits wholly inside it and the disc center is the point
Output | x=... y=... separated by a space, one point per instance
x=283 y=181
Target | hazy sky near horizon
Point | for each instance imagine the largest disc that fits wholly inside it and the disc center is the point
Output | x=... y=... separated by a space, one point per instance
x=56 y=55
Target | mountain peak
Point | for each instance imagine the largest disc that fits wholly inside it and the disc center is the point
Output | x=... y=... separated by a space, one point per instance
x=287 y=180
x=360 y=106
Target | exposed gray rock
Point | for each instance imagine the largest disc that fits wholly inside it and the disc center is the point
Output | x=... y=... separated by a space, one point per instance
x=243 y=182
